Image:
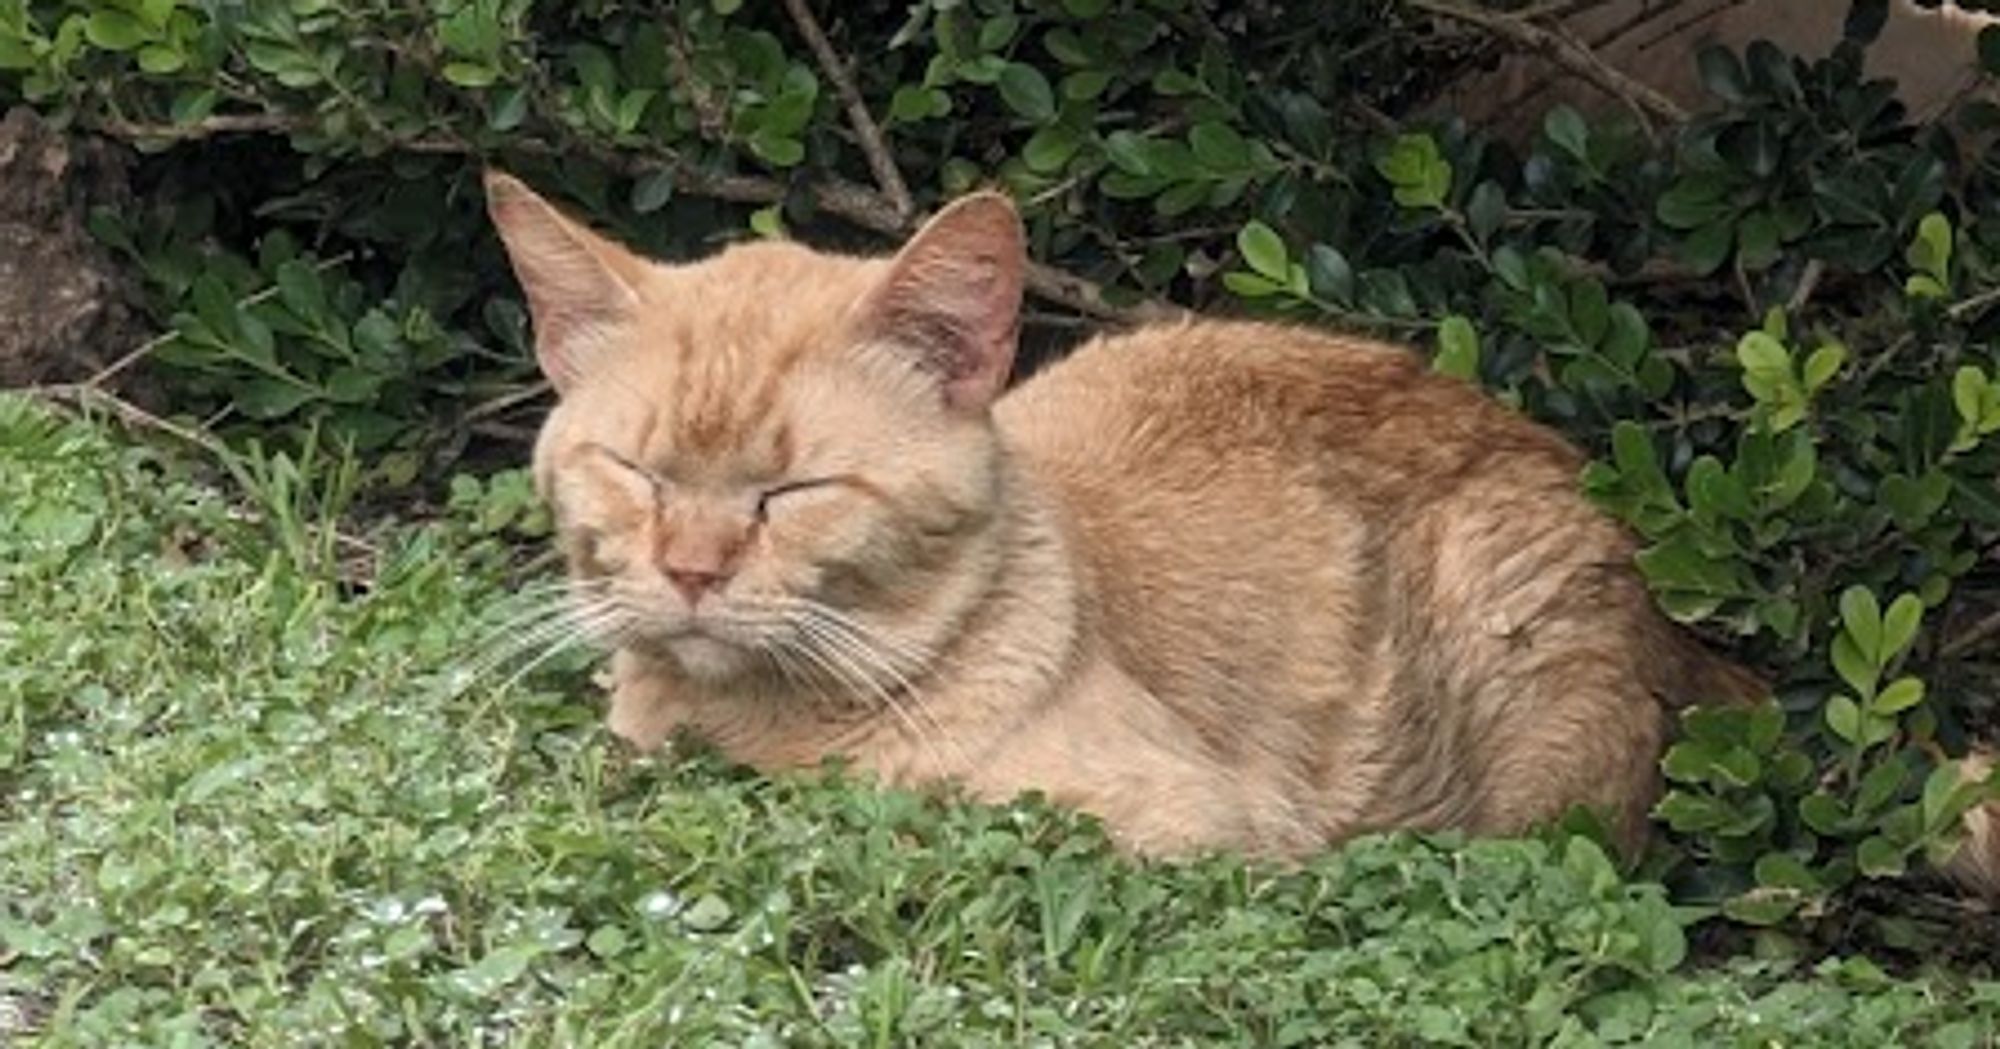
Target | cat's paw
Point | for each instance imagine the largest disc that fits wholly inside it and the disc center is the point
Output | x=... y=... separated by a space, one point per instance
x=643 y=711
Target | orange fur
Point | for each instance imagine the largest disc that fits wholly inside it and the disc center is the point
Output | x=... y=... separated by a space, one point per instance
x=1222 y=584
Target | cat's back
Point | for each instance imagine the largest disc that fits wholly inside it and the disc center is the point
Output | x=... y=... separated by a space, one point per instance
x=1180 y=413
x=1350 y=571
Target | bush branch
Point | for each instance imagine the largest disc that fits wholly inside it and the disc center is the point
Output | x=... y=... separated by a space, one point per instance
x=1972 y=637
x=851 y=202
x=860 y=206
x=1564 y=52
x=881 y=162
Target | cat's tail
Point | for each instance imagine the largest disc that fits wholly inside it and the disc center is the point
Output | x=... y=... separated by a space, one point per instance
x=1975 y=867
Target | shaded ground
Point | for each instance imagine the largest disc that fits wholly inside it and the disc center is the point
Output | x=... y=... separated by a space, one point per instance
x=65 y=304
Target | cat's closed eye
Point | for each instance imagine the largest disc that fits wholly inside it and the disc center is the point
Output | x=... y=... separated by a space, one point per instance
x=780 y=493
x=660 y=485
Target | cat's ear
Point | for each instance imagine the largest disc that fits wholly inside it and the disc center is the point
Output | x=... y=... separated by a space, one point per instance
x=581 y=287
x=953 y=297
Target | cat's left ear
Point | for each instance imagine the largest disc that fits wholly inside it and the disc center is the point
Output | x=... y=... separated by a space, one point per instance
x=582 y=288
x=953 y=297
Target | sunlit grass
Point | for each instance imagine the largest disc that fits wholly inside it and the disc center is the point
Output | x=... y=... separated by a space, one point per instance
x=246 y=801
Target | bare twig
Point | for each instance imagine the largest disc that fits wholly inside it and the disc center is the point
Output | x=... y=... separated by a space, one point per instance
x=83 y=396
x=506 y=432
x=1809 y=280
x=1564 y=51
x=861 y=206
x=1966 y=307
x=132 y=357
x=881 y=162
x=497 y=405
x=850 y=202
x=1971 y=637
x=1959 y=311
x=711 y=114
x=207 y=127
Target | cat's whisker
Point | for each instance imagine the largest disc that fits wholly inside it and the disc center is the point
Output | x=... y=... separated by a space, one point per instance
x=908 y=656
x=605 y=625
x=912 y=652
x=871 y=656
x=867 y=667
x=877 y=645
x=827 y=671
x=532 y=631
x=567 y=619
x=543 y=588
x=831 y=656
x=778 y=641
x=516 y=628
x=540 y=601
x=813 y=675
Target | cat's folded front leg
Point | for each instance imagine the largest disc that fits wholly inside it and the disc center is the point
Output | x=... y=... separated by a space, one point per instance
x=643 y=709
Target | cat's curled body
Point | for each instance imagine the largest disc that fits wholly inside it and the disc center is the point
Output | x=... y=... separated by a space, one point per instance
x=1222 y=584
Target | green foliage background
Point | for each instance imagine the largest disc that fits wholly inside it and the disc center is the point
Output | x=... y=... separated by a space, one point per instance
x=1775 y=326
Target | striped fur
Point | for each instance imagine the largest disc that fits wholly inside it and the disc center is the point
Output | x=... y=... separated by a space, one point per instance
x=1222 y=584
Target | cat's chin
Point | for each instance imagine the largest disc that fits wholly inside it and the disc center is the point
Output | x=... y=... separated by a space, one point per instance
x=707 y=659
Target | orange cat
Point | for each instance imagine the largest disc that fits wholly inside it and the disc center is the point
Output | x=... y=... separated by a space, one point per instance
x=1221 y=584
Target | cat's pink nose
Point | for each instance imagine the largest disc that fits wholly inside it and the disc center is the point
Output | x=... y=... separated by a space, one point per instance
x=692 y=583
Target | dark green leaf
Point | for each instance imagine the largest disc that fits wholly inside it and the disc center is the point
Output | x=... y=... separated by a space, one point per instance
x=1757 y=241
x=1050 y=148
x=1084 y=85
x=1782 y=870
x=1565 y=128
x=116 y=30
x=651 y=192
x=1329 y=274
x=1878 y=857
x=1486 y=209
x=1865 y=19
x=192 y=105
x=1694 y=201
x=1880 y=786
x=1721 y=73
x=271 y=398
x=1218 y=146
x=1707 y=248
x=1026 y=91
x=778 y=150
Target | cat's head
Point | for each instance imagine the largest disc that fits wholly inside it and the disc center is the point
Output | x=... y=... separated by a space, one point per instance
x=772 y=455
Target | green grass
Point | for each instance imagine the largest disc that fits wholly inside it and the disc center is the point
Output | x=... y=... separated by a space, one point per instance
x=241 y=805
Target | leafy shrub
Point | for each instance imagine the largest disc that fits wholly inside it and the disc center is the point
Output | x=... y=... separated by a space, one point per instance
x=1774 y=327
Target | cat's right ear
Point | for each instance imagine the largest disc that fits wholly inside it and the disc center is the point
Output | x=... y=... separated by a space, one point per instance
x=581 y=287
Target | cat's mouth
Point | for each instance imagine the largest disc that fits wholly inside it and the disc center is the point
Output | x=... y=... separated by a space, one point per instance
x=701 y=653
x=701 y=648
x=686 y=632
